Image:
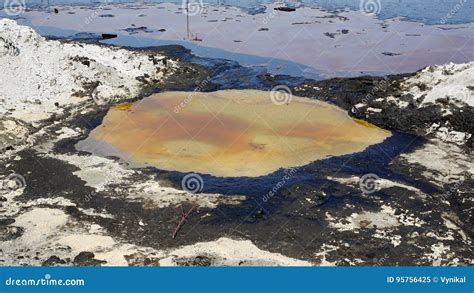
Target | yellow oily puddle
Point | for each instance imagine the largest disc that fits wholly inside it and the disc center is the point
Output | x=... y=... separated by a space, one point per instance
x=228 y=133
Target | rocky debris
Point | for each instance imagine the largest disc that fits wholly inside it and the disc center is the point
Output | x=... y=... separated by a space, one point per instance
x=195 y=261
x=141 y=259
x=10 y=232
x=12 y=132
x=86 y=258
x=53 y=261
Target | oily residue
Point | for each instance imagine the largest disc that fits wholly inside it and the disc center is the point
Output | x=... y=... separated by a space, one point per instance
x=228 y=133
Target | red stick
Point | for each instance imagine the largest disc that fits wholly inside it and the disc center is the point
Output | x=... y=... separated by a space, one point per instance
x=184 y=218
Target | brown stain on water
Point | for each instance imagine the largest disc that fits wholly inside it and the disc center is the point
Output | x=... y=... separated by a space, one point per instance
x=228 y=133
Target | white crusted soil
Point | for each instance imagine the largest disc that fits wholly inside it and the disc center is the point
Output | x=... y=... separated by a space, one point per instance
x=42 y=77
x=229 y=252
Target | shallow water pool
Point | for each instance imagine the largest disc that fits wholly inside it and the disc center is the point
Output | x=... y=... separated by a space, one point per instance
x=230 y=133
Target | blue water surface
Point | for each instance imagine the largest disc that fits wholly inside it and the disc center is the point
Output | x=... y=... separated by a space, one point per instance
x=426 y=11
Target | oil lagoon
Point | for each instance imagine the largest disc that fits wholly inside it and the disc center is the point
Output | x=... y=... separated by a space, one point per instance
x=229 y=133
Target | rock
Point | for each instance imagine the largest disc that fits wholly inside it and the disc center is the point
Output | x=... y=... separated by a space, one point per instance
x=6 y=221
x=52 y=261
x=109 y=36
x=200 y=260
x=10 y=232
x=285 y=9
x=86 y=258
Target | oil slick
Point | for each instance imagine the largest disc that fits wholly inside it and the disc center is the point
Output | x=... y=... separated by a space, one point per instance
x=229 y=133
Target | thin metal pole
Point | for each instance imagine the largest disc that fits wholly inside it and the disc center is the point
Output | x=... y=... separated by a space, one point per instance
x=187 y=19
